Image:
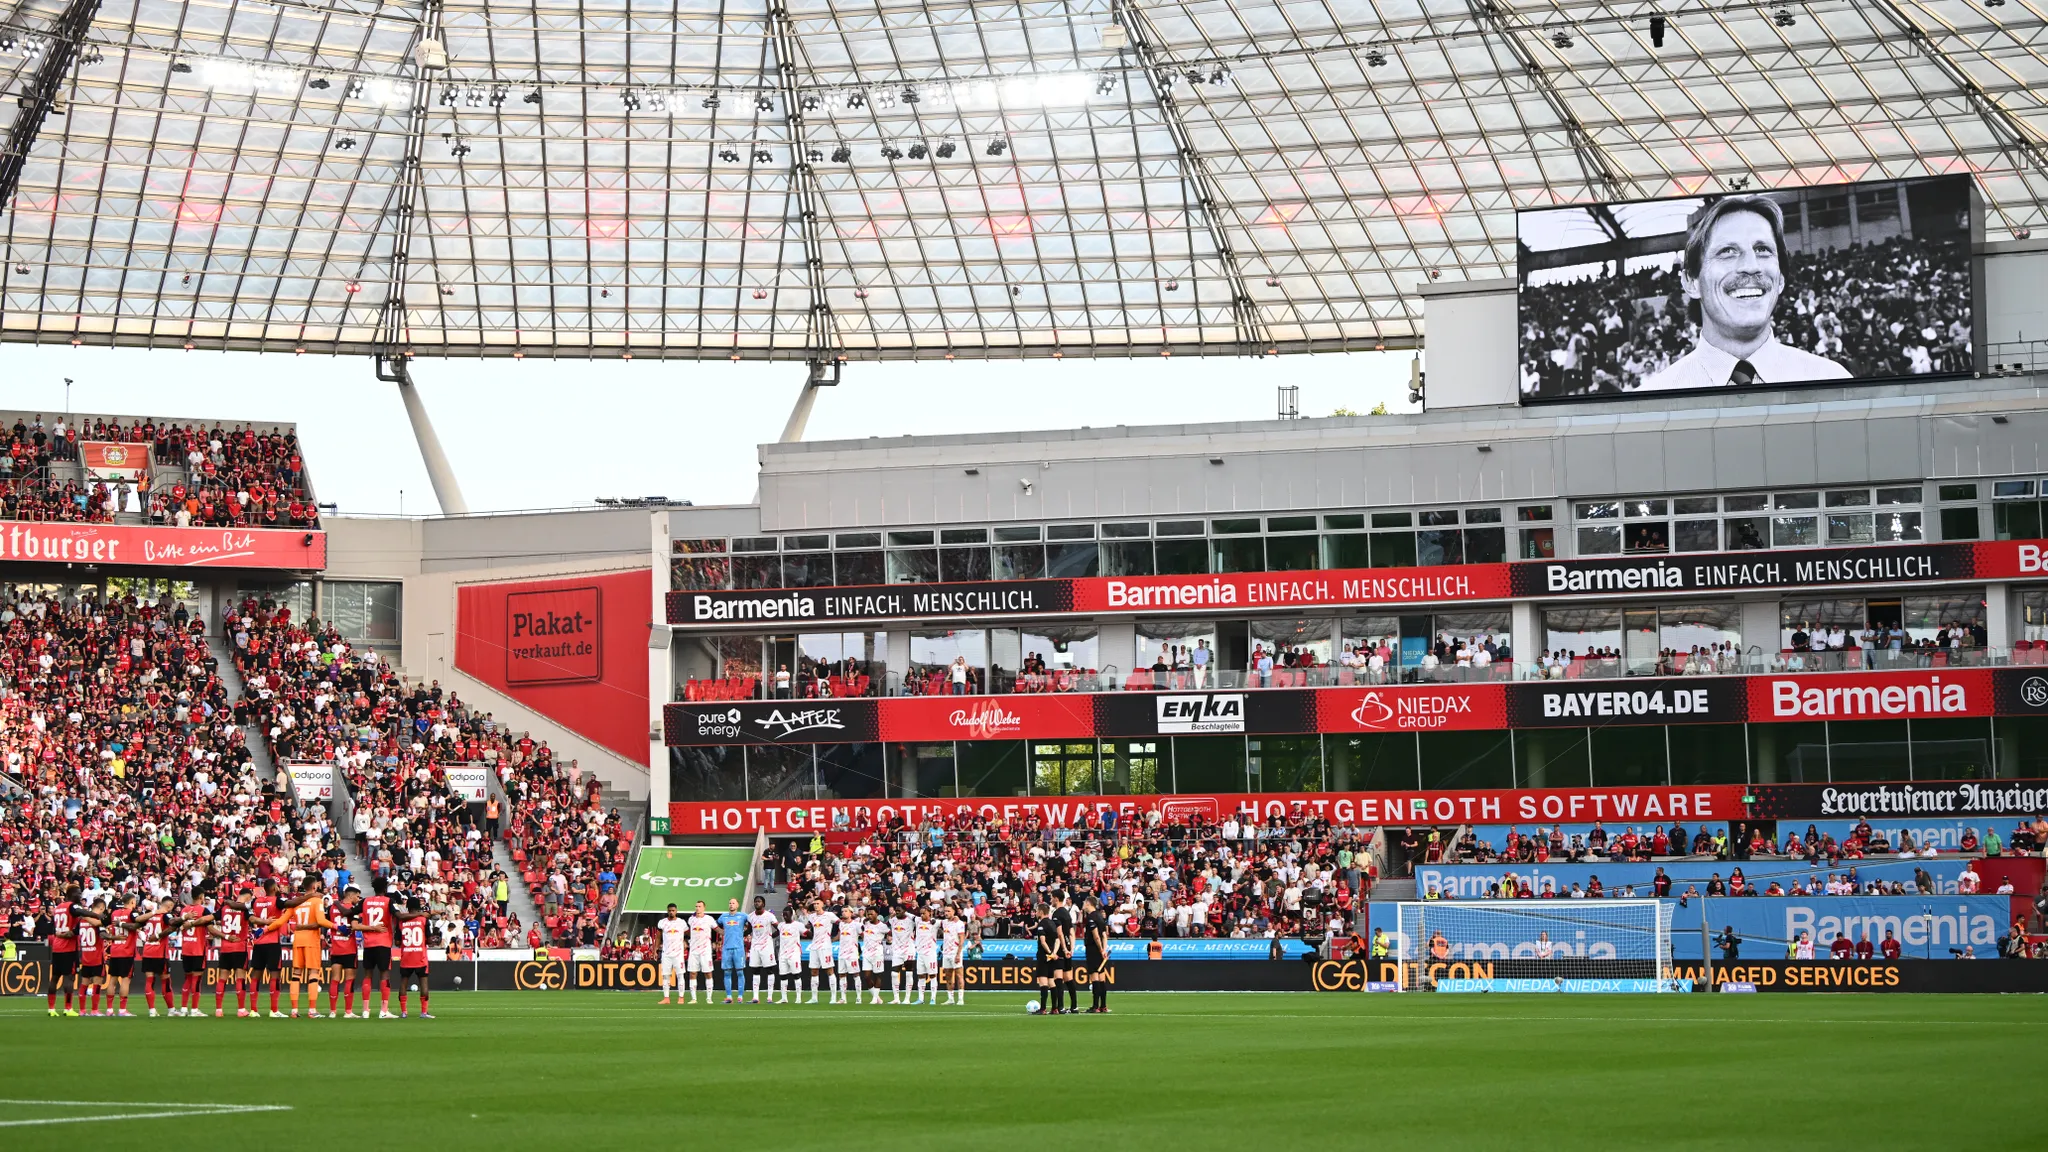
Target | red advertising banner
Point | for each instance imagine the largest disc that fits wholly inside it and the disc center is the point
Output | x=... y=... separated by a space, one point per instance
x=125 y=544
x=1039 y=717
x=1419 y=708
x=1496 y=806
x=1918 y=695
x=113 y=459
x=573 y=650
x=1816 y=568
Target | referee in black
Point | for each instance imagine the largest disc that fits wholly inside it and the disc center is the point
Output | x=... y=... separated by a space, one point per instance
x=1048 y=933
x=1063 y=915
x=1095 y=929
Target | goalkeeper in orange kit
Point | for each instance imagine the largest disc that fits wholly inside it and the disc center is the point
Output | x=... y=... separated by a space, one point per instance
x=307 y=920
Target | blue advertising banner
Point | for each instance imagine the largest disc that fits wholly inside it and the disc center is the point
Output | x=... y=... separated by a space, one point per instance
x=1946 y=835
x=1497 y=834
x=1470 y=881
x=1260 y=949
x=1927 y=928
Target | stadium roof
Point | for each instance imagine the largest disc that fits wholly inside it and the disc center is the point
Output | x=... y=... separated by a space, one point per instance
x=885 y=178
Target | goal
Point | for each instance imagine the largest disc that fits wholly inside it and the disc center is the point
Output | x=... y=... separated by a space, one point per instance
x=1535 y=945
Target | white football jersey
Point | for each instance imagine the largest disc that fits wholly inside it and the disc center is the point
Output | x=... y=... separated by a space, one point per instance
x=700 y=932
x=672 y=929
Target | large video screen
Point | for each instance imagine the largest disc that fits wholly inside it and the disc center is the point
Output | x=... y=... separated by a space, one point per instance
x=1747 y=290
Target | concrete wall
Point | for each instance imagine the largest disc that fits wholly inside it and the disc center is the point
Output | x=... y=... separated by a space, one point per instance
x=1471 y=357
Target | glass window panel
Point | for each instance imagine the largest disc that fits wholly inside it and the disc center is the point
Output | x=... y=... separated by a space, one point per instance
x=1348 y=550
x=963 y=535
x=805 y=543
x=1552 y=758
x=846 y=771
x=2009 y=489
x=1796 y=616
x=859 y=568
x=1075 y=647
x=754 y=544
x=963 y=563
x=363 y=611
x=1445 y=546
x=1898 y=495
x=1238 y=555
x=714 y=773
x=1284 y=763
x=1957 y=749
x=1476 y=625
x=806 y=569
x=2022 y=747
x=1178 y=528
x=1795 y=500
x=1849 y=498
x=1744 y=503
x=1234 y=527
x=1958 y=523
x=1134 y=767
x=1017 y=533
x=909 y=539
x=1790 y=753
x=858 y=540
x=932 y=652
x=1681 y=628
x=1532 y=513
x=1466 y=760
x=1019 y=561
x=1181 y=557
x=1208 y=764
x=1851 y=528
x=1393 y=549
x=1634 y=508
x=1581 y=631
x=913 y=566
x=1290 y=523
x=1746 y=533
x=1392 y=519
x=1696 y=536
x=1709 y=754
x=1127 y=558
x=1600 y=540
x=1486 y=545
x=1370 y=631
x=1868 y=750
x=1794 y=531
x=1292 y=553
x=2016 y=520
x=1647 y=536
x=1482 y=515
x=1314 y=636
x=1957 y=492
x=1126 y=531
x=993 y=768
x=1606 y=510
x=1371 y=762
x=1070 y=532
x=1629 y=756
x=1345 y=521
x=756 y=572
x=1069 y=561
x=921 y=771
x=698 y=565
x=1938 y=618
x=1438 y=517
x=1898 y=526
x=1695 y=505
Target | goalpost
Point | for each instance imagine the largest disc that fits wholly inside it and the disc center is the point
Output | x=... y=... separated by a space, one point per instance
x=1535 y=946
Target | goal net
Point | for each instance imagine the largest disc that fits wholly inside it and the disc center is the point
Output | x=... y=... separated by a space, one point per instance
x=1535 y=945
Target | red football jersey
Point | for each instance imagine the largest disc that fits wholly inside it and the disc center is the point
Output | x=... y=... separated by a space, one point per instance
x=192 y=938
x=152 y=934
x=62 y=920
x=376 y=922
x=341 y=939
x=234 y=929
x=122 y=933
x=92 y=947
x=264 y=909
x=412 y=942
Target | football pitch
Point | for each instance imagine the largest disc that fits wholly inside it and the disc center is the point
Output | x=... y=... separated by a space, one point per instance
x=1166 y=1070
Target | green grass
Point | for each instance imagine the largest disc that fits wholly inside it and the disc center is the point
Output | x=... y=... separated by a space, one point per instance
x=1181 y=1071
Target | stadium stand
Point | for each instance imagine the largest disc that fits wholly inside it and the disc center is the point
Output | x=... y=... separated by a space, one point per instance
x=241 y=475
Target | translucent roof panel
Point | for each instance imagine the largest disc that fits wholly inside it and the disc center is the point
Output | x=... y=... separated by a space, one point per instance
x=875 y=179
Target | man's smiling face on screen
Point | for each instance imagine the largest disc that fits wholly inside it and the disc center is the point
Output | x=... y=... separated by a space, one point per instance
x=1739 y=281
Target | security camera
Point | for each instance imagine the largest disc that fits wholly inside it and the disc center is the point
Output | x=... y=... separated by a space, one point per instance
x=1026 y=485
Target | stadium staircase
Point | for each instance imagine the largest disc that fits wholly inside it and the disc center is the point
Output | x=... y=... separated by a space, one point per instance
x=342 y=810
x=252 y=735
x=1393 y=890
x=520 y=901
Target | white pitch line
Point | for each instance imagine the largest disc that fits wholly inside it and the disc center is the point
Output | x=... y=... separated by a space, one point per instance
x=173 y=1111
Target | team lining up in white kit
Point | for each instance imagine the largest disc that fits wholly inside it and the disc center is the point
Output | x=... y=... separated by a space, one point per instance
x=757 y=954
